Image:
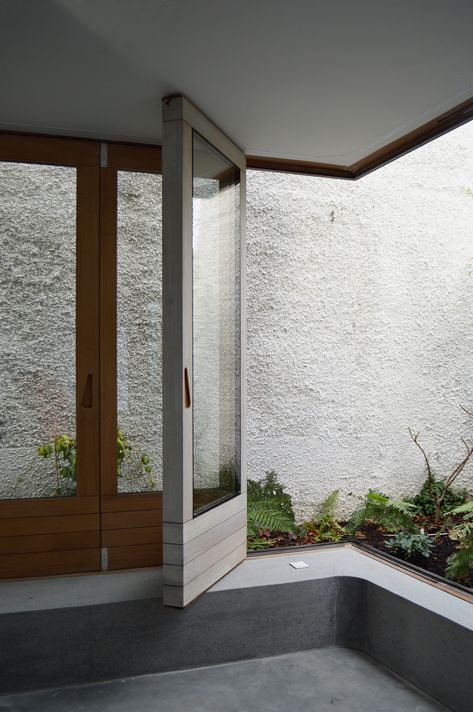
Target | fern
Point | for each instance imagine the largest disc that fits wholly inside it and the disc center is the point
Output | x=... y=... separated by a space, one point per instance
x=459 y=564
x=324 y=523
x=328 y=506
x=404 y=508
x=462 y=531
x=466 y=508
x=357 y=519
x=266 y=514
x=388 y=513
x=465 y=529
x=257 y=543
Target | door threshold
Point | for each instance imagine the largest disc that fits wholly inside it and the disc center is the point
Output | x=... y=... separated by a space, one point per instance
x=73 y=590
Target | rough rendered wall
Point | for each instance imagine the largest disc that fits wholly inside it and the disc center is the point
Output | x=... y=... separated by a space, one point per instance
x=139 y=317
x=37 y=321
x=360 y=317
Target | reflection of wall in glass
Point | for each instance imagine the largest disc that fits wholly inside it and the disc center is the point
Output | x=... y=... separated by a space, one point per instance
x=139 y=331
x=37 y=329
x=216 y=326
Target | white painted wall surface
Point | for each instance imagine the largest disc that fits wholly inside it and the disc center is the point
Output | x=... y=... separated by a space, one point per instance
x=360 y=323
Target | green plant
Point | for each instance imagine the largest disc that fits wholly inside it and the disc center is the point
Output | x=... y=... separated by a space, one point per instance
x=324 y=523
x=429 y=494
x=383 y=511
x=460 y=563
x=259 y=543
x=267 y=515
x=269 y=488
x=408 y=546
x=64 y=450
x=269 y=507
x=328 y=506
x=438 y=491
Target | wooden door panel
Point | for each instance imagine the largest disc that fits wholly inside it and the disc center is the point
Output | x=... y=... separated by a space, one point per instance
x=49 y=507
x=56 y=535
x=49 y=563
x=54 y=541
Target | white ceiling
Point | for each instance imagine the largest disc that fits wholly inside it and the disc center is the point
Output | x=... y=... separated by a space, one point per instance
x=320 y=80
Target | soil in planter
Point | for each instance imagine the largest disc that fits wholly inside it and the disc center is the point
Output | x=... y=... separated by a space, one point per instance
x=443 y=547
x=376 y=536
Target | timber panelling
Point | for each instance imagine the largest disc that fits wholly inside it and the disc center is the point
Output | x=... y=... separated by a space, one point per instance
x=49 y=563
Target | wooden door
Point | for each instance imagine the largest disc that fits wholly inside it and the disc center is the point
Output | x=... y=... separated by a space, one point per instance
x=204 y=519
x=62 y=507
x=49 y=330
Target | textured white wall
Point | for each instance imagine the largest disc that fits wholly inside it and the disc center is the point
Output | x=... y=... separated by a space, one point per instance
x=360 y=316
x=139 y=317
x=37 y=321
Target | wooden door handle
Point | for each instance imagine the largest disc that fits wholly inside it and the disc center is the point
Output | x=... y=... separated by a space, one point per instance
x=187 y=390
x=88 y=395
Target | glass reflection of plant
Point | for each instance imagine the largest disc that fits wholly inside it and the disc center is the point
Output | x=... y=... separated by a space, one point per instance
x=64 y=451
x=137 y=473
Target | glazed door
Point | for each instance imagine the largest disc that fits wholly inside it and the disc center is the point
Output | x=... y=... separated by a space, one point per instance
x=130 y=357
x=204 y=493
x=80 y=356
x=49 y=356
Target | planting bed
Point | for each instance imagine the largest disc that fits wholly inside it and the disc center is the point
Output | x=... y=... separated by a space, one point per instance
x=377 y=537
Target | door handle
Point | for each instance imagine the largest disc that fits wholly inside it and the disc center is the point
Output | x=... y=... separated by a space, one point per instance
x=187 y=390
x=88 y=395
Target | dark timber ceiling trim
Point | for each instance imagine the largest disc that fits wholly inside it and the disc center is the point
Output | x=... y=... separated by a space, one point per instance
x=457 y=116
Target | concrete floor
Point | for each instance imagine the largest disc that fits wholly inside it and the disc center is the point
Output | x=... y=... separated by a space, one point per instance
x=328 y=680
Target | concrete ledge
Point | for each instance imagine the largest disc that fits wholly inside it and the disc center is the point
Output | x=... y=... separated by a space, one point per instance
x=241 y=618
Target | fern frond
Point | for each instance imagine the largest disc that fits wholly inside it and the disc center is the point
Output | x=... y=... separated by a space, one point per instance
x=357 y=520
x=466 y=508
x=388 y=513
x=462 y=531
x=265 y=514
x=401 y=506
x=460 y=563
x=328 y=506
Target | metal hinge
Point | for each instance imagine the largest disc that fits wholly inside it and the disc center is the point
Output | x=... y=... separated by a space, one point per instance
x=104 y=558
x=103 y=155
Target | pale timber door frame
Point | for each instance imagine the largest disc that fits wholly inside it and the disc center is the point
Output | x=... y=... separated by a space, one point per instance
x=197 y=549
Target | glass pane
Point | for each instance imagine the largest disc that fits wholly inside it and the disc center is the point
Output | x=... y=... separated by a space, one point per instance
x=139 y=438
x=216 y=326
x=37 y=330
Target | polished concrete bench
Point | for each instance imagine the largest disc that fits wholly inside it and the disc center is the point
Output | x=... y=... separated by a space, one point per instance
x=58 y=632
